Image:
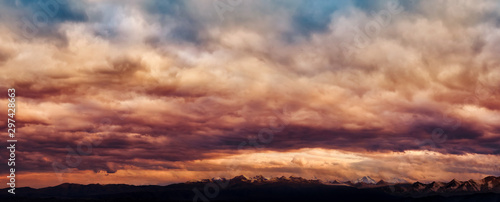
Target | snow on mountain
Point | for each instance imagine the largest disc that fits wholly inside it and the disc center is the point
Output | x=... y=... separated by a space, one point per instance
x=240 y=178
x=433 y=187
x=418 y=186
x=395 y=185
x=470 y=186
x=366 y=180
x=259 y=179
x=450 y=186
x=397 y=181
x=335 y=182
x=491 y=183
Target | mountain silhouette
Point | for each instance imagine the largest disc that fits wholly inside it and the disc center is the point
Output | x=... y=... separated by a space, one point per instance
x=259 y=188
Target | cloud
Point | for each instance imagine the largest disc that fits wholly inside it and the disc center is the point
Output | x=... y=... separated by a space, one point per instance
x=160 y=84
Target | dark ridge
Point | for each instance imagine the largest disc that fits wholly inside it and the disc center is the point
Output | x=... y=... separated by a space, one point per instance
x=259 y=188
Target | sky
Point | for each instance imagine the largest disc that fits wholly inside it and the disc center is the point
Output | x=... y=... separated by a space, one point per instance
x=160 y=92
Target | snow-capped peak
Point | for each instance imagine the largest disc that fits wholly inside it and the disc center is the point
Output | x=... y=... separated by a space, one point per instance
x=396 y=180
x=365 y=179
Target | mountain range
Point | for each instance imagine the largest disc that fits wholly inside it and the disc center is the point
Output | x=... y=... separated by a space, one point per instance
x=454 y=187
x=259 y=188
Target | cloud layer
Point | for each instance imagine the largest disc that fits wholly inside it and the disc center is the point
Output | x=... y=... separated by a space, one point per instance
x=180 y=87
